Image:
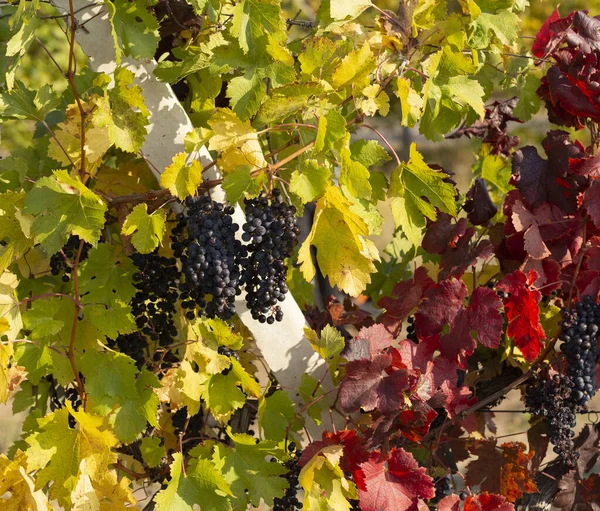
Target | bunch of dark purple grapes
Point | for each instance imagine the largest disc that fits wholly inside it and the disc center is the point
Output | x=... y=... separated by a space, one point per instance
x=272 y=232
x=552 y=399
x=204 y=240
x=579 y=333
x=64 y=258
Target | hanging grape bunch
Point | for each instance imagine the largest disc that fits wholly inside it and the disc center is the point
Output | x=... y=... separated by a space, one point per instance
x=210 y=257
x=62 y=261
x=154 y=304
x=272 y=232
x=579 y=333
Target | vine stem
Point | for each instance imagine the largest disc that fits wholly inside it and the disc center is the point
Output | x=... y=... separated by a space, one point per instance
x=579 y=263
x=71 y=79
x=51 y=295
x=70 y=353
x=119 y=466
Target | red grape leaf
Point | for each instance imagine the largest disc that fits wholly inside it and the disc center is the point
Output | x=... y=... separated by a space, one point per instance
x=591 y=201
x=396 y=483
x=523 y=313
x=587 y=445
x=524 y=221
x=458 y=343
x=551 y=34
x=485 y=317
x=449 y=503
x=414 y=423
x=457 y=399
x=479 y=205
x=405 y=296
x=368 y=343
x=359 y=388
x=487 y=502
x=578 y=494
x=505 y=470
x=439 y=307
x=347 y=313
x=455 y=261
x=439 y=234
x=586 y=166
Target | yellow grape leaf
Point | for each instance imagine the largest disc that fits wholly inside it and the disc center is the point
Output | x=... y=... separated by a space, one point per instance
x=344 y=254
x=6 y=352
x=411 y=103
x=14 y=228
x=122 y=113
x=375 y=100
x=323 y=479
x=146 y=230
x=128 y=178
x=9 y=306
x=236 y=140
x=23 y=495
x=66 y=147
x=182 y=179
x=83 y=497
x=191 y=385
x=56 y=451
x=355 y=68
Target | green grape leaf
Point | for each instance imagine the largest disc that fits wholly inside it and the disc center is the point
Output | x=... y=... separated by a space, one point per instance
x=310 y=390
x=111 y=319
x=353 y=174
x=133 y=415
x=249 y=385
x=328 y=345
x=369 y=152
x=254 y=20
x=146 y=230
x=465 y=92
x=247 y=93
x=504 y=26
x=40 y=318
x=152 y=451
x=285 y=101
x=239 y=183
x=198 y=5
x=182 y=179
x=529 y=102
x=63 y=205
x=109 y=373
x=123 y=112
x=106 y=275
x=202 y=483
x=20 y=104
x=36 y=359
x=136 y=27
x=246 y=469
x=344 y=253
x=223 y=397
x=410 y=183
x=332 y=127
x=275 y=414
x=310 y=181
x=14 y=229
x=342 y=9
x=215 y=333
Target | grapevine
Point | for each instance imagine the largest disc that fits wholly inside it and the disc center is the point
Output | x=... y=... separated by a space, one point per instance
x=259 y=257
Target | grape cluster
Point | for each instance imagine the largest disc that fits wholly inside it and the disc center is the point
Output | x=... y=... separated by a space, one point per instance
x=272 y=232
x=443 y=488
x=154 y=303
x=58 y=396
x=133 y=345
x=579 y=333
x=60 y=262
x=210 y=256
x=552 y=399
x=191 y=433
x=290 y=501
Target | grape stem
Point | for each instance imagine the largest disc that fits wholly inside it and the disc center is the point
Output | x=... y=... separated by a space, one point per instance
x=70 y=353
